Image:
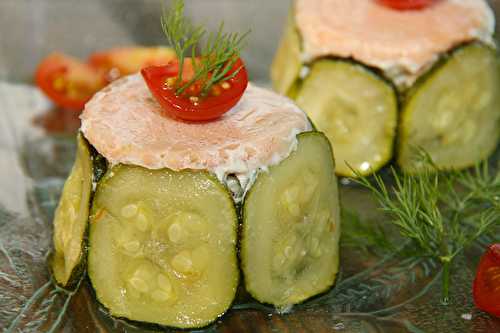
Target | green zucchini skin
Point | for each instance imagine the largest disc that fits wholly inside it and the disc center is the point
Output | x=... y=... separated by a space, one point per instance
x=105 y=199
x=142 y=325
x=77 y=273
x=81 y=175
x=451 y=112
x=264 y=261
x=100 y=165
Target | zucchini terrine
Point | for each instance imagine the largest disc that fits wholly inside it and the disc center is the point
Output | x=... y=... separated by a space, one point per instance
x=164 y=214
x=374 y=77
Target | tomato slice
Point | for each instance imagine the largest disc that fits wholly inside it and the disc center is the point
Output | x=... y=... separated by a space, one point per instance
x=68 y=82
x=128 y=60
x=191 y=105
x=486 y=290
x=407 y=4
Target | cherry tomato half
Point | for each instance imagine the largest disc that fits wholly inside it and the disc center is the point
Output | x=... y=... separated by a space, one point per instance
x=407 y=4
x=486 y=289
x=68 y=82
x=128 y=60
x=191 y=105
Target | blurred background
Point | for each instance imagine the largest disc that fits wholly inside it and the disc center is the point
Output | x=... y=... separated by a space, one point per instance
x=30 y=29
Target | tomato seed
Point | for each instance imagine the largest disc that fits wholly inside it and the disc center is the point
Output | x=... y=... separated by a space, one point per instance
x=215 y=91
x=59 y=83
x=170 y=81
x=493 y=270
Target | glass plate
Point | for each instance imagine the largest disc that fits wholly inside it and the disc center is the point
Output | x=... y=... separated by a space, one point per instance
x=378 y=289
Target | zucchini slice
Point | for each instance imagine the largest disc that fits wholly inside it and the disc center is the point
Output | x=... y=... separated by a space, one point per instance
x=453 y=112
x=287 y=62
x=71 y=220
x=162 y=246
x=355 y=109
x=291 y=226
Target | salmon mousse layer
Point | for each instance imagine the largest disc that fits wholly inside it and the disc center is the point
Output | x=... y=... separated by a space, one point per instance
x=165 y=201
x=384 y=76
x=126 y=125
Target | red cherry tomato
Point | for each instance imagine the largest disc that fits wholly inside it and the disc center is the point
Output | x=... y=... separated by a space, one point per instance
x=128 y=60
x=486 y=289
x=191 y=105
x=68 y=82
x=407 y=4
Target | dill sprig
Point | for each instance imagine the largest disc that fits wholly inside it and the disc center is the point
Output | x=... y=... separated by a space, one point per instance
x=481 y=184
x=440 y=212
x=217 y=55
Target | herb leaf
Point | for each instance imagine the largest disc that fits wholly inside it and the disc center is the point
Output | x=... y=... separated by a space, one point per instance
x=441 y=212
x=217 y=55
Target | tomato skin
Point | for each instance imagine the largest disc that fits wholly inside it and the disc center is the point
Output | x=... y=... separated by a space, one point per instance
x=68 y=82
x=486 y=289
x=407 y=4
x=181 y=107
x=118 y=62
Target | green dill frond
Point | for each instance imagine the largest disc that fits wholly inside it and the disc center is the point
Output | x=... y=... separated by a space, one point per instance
x=481 y=184
x=441 y=212
x=217 y=55
x=412 y=203
x=181 y=35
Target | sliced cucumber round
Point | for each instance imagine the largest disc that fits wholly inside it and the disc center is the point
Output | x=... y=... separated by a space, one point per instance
x=287 y=62
x=355 y=109
x=291 y=226
x=453 y=112
x=162 y=246
x=71 y=220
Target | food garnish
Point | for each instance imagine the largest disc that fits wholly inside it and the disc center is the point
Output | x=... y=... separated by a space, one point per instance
x=203 y=86
x=68 y=82
x=407 y=4
x=486 y=289
x=441 y=213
